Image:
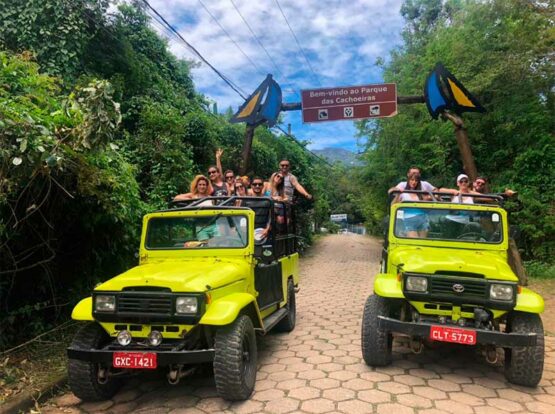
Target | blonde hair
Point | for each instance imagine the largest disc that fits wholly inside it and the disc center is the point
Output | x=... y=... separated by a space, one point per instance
x=194 y=183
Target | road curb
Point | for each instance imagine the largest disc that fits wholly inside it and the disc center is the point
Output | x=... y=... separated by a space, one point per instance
x=23 y=402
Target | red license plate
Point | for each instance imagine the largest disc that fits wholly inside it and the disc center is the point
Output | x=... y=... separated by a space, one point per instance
x=456 y=335
x=135 y=360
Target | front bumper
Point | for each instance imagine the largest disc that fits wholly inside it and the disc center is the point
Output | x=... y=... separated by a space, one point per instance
x=483 y=336
x=164 y=358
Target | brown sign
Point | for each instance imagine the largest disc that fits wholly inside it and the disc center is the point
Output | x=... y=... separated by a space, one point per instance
x=349 y=103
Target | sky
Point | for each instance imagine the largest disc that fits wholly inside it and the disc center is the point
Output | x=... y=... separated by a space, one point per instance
x=341 y=41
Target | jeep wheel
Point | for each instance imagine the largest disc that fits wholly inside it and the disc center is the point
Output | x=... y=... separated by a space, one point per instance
x=376 y=343
x=524 y=364
x=287 y=324
x=235 y=360
x=83 y=375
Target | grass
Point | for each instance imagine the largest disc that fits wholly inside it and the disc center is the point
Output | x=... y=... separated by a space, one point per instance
x=540 y=270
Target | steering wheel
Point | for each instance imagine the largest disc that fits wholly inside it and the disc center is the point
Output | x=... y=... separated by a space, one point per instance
x=472 y=236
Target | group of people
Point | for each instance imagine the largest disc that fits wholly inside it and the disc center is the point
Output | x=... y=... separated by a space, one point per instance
x=281 y=186
x=414 y=182
x=415 y=220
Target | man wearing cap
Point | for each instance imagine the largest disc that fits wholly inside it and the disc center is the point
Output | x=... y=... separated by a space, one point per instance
x=463 y=182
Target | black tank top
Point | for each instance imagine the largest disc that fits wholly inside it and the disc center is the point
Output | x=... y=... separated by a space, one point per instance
x=219 y=190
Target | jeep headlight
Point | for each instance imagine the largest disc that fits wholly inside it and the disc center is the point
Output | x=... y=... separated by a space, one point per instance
x=105 y=303
x=498 y=291
x=416 y=284
x=186 y=304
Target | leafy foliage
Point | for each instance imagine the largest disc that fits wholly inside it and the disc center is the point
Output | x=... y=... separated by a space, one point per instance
x=100 y=123
x=502 y=52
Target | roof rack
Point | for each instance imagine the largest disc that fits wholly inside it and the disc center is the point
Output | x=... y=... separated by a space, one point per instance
x=218 y=202
x=443 y=197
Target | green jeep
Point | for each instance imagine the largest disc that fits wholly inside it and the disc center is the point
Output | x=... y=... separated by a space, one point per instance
x=445 y=277
x=205 y=284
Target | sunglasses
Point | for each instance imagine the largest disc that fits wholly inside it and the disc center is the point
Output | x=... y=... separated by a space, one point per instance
x=480 y=183
x=284 y=165
x=257 y=184
x=229 y=177
x=238 y=186
x=212 y=172
x=464 y=180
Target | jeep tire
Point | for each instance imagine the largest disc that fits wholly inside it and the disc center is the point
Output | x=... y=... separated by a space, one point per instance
x=376 y=342
x=235 y=360
x=83 y=375
x=524 y=364
x=287 y=324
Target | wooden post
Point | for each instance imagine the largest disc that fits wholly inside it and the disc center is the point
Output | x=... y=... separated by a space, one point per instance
x=469 y=165
x=245 y=155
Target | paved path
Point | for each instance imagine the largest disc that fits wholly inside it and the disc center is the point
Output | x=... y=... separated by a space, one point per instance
x=318 y=367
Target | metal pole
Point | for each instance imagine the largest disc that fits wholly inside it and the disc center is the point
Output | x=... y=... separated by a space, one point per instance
x=245 y=155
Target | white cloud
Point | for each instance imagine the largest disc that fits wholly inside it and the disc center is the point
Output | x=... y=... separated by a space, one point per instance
x=342 y=40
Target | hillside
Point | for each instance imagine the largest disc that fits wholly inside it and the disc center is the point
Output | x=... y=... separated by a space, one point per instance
x=339 y=154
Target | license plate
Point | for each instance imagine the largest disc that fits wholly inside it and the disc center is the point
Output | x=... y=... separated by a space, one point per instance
x=134 y=360
x=455 y=335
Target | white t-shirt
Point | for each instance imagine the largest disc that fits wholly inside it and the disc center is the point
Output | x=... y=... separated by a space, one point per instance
x=425 y=185
x=465 y=200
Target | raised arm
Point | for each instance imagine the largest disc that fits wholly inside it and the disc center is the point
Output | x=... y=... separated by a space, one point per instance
x=299 y=187
x=219 y=153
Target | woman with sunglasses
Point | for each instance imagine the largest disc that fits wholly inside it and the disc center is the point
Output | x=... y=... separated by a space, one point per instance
x=464 y=188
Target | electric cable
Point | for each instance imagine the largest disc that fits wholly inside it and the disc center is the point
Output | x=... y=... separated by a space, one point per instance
x=298 y=44
x=200 y=56
x=230 y=38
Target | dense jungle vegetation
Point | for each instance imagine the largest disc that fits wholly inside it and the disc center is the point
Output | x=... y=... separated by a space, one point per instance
x=100 y=123
x=503 y=52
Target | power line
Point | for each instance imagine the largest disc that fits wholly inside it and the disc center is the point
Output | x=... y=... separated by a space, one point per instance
x=255 y=37
x=168 y=27
x=230 y=38
x=298 y=43
x=191 y=47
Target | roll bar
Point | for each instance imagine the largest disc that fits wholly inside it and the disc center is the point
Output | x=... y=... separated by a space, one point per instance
x=440 y=197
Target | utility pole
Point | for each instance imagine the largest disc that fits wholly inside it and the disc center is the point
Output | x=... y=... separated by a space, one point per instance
x=461 y=135
x=245 y=155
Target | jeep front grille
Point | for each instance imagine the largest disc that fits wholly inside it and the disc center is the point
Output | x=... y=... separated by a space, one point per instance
x=137 y=303
x=444 y=286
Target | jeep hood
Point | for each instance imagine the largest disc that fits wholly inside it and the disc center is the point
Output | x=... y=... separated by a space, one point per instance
x=437 y=260
x=180 y=276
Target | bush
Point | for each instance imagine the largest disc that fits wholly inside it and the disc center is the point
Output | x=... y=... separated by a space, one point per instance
x=540 y=270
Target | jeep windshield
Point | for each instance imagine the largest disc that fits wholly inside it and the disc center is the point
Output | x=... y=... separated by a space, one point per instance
x=200 y=232
x=449 y=225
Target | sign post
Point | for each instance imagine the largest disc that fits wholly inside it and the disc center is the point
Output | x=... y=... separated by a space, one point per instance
x=349 y=103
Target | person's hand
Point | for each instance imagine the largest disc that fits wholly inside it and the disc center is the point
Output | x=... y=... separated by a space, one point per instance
x=264 y=234
x=219 y=153
x=308 y=196
x=509 y=192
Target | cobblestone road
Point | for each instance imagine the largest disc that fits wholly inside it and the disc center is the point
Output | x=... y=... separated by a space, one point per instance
x=318 y=367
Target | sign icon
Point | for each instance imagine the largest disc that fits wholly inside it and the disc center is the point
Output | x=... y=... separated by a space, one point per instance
x=347 y=103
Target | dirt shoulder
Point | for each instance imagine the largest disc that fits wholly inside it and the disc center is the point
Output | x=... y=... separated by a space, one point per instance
x=546 y=288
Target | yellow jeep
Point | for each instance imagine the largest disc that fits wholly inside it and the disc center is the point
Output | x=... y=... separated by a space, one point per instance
x=206 y=282
x=445 y=277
